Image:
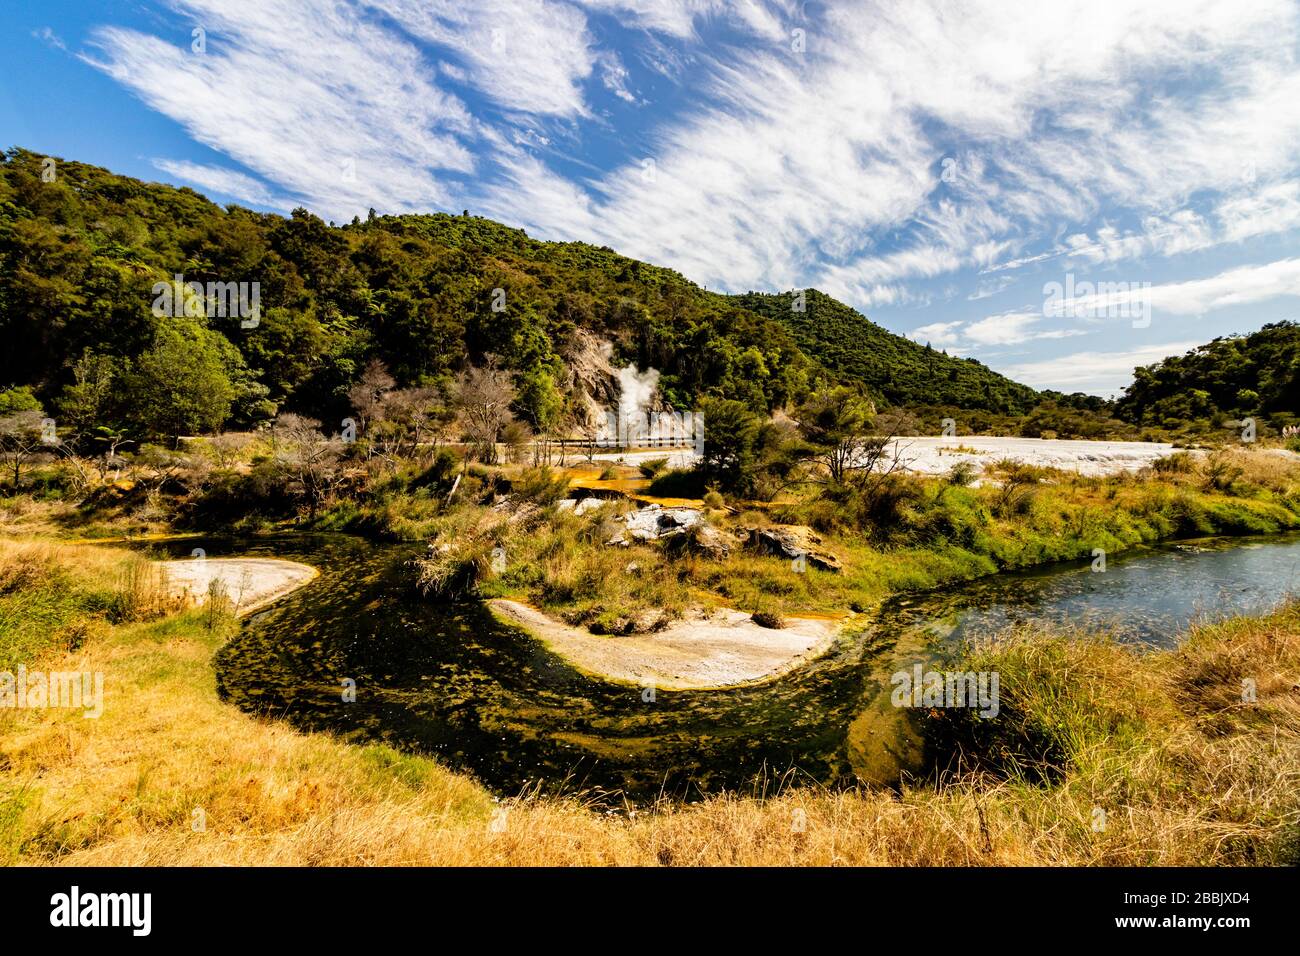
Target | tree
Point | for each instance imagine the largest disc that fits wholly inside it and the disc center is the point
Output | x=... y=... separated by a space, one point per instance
x=83 y=407
x=730 y=434
x=179 y=385
x=21 y=439
x=367 y=396
x=225 y=449
x=483 y=396
x=106 y=441
x=307 y=457
x=396 y=421
x=540 y=400
x=153 y=466
x=18 y=399
x=402 y=421
x=836 y=421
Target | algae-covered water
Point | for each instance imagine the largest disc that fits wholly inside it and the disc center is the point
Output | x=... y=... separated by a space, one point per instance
x=450 y=680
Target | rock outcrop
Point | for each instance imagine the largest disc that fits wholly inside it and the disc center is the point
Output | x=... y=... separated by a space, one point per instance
x=792 y=541
x=655 y=523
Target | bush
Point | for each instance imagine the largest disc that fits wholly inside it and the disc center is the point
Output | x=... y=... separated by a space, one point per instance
x=1221 y=473
x=440 y=471
x=1179 y=463
x=1063 y=698
x=962 y=474
x=652 y=467
x=1018 y=489
x=678 y=483
x=456 y=571
x=540 y=486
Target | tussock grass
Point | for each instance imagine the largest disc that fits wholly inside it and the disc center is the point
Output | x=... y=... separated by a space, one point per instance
x=54 y=595
x=1185 y=771
x=911 y=533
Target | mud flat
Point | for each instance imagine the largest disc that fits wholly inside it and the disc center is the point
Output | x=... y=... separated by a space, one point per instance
x=250 y=583
x=724 y=649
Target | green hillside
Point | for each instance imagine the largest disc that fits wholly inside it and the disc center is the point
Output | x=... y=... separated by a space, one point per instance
x=80 y=256
x=893 y=369
x=1231 y=378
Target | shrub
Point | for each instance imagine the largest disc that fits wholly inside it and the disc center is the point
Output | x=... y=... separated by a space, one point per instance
x=652 y=467
x=962 y=474
x=456 y=571
x=540 y=485
x=1179 y=463
x=439 y=472
x=1221 y=473
x=678 y=483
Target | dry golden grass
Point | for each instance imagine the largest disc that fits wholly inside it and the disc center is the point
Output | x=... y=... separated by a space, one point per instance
x=1198 y=777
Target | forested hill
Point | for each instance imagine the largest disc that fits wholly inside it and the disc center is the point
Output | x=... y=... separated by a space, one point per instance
x=81 y=250
x=892 y=368
x=1233 y=376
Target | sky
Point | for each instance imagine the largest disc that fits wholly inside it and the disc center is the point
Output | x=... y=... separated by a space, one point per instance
x=1062 y=190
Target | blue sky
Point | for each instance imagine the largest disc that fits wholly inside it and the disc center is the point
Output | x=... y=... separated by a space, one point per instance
x=936 y=165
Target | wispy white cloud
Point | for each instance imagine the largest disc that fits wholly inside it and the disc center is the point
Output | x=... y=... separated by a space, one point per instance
x=225 y=182
x=527 y=55
x=1271 y=210
x=1002 y=329
x=48 y=36
x=1239 y=286
x=338 y=112
x=1098 y=373
x=907 y=141
x=1013 y=328
x=941 y=335
x=987 y=288
x=1053 y=131
x=614 y=75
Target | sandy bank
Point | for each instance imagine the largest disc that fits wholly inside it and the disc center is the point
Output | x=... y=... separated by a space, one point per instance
x=723 y=650
x=251 y=583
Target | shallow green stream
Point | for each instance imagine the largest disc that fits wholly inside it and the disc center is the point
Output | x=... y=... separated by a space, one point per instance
x=449 y=680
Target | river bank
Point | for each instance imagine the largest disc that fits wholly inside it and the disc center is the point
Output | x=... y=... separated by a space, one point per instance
x=454 y=681
x=723 y=648
x=249 y=584
x=1161 y=743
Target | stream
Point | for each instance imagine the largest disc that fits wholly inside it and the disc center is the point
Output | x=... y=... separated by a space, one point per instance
x=449 y=680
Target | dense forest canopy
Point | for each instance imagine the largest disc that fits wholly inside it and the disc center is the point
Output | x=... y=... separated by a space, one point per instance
x=894 y=370
x=82 y=249
x=1233 y=376
x=83 y=252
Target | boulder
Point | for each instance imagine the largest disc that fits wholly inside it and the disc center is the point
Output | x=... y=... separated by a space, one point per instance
x=711 y=542
x=793 y=541
x=655 y=523
x=705 y=540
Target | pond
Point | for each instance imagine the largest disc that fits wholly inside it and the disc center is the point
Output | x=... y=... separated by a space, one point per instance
x=449 y=680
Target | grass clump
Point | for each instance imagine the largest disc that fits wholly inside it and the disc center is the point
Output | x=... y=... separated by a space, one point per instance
x=52 y=596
